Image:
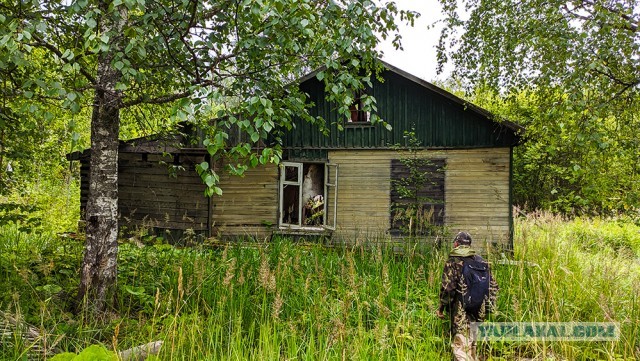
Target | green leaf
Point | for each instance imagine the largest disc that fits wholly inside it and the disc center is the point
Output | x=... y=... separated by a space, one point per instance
x=202 y=167
x=50 y=289
x=209 y=180
x=136 y=291
x=74 y=107
x=95 y=353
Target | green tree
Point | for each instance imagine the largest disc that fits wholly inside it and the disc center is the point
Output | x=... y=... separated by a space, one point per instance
x=577 y=63
x=560 y=166
x=188 y=54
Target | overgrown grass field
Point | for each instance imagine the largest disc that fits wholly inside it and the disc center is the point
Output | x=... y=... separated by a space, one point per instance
x=293 y=300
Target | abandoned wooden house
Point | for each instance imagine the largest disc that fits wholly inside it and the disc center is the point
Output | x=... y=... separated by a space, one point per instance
x=342 y=185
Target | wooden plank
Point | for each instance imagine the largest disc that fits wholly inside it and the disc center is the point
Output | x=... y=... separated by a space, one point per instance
x=476 y=187
x=249 y=200
x=362 y=208
x=150 y=179
x=174 y=212
x=138 y=195
x=136 y=212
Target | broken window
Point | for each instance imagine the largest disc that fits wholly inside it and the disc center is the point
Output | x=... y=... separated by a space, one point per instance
x=305 y=189
x=358 y=114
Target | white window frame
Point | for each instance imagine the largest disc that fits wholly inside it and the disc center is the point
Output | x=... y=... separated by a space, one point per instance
x=284 y=182
x=330 y=185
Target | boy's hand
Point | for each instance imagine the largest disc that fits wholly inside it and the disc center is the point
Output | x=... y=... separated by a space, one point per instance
x=440 y=314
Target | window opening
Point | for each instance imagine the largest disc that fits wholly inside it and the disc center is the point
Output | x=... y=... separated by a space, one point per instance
x=358 y=114
x=290 y=195
x=304 y=188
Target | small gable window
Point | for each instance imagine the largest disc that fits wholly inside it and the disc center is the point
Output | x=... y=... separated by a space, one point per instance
x=358 y=114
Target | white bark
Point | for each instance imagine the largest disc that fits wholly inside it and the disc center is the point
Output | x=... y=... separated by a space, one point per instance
x=99 y=267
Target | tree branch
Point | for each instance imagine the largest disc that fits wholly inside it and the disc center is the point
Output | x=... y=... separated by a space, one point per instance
x=41 y=43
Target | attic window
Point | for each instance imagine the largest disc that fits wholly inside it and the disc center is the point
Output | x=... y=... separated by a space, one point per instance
x=358 y=115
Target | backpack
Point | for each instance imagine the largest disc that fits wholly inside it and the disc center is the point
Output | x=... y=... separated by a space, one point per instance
x=477 y=277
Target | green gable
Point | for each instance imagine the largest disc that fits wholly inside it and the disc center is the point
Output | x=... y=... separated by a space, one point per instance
x=440 y=119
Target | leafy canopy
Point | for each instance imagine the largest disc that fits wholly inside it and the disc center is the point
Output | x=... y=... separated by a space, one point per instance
x=228 y=59
x=570 y=72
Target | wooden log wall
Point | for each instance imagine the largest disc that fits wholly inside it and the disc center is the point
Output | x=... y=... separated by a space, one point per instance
x=476 y=193
x=150 y=196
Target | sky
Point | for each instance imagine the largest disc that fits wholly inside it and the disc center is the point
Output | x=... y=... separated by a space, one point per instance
x=419 y=42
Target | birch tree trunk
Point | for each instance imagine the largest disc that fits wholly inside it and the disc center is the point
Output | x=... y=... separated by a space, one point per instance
x=99 y=266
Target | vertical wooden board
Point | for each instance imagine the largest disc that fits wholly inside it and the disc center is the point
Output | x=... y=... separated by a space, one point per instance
x=150 y=195
x=248 y=204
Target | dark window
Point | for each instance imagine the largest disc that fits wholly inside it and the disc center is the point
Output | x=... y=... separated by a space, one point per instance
x=358 y=115
x=417 y=196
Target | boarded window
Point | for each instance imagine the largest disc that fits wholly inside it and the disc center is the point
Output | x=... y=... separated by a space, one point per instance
x=417 y=196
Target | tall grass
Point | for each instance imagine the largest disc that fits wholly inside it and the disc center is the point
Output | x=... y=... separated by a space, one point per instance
x=297 y=300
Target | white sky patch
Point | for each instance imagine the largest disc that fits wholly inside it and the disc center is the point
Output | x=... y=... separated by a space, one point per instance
x=419 y=42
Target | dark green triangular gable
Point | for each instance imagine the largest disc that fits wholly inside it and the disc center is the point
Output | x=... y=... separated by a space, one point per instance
x=441 y=119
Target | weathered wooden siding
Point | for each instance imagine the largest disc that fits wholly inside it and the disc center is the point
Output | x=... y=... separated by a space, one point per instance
x=150 y=197
x=84 y=185
x=247 y=203
x=476 y=193
x=364 y=191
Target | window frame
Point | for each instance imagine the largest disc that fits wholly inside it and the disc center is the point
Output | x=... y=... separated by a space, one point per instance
x=330 y=185
x=281 y=185
x=363 y=118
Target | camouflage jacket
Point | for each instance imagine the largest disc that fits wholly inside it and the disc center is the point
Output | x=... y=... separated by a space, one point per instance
x=452 y=287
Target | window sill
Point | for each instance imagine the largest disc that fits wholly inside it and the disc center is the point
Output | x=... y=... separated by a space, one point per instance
x=302 y=230
x=358 y=125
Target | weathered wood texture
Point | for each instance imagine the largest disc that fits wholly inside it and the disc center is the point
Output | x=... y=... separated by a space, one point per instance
x=248 y=204
x=426 y=184
x=476 y=193
x=162 y=193
x=363 y=193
